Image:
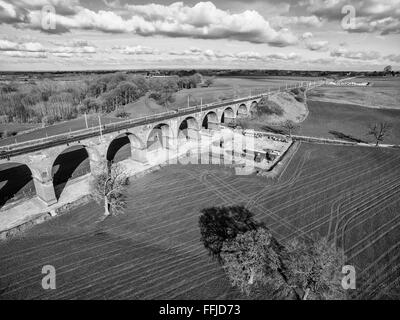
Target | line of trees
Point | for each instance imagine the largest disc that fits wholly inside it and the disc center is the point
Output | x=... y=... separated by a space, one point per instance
x=49 y=101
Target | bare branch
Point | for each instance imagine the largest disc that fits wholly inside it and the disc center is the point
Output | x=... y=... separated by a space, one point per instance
x=109 y=189
x=379 y=131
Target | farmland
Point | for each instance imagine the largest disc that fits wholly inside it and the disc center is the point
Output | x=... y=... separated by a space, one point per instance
x=383 y=93
x=346 y=121
x=348 y=194
x=343 y=112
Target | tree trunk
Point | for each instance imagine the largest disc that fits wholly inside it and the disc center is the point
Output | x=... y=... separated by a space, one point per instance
x=306 y=293
x=106 y=207
x=251 y=280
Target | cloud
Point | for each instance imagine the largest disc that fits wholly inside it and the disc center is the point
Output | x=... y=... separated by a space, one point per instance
x=383 y=26
x=241 y=56
x=210 y=54
x=355 y=55
x=190 y=51
x=136 y=50
x=249 y=55
x=6 y=45
x=322 y=61
x=17 y=12
x=282 y=56
x=381 y=16
x=63 y=7
x=317 y=45
x=70 y=50
x=202 y=20
x=307 y=35
x=309 y=21
x=63 y=55
x=37 y=50
x=25 y=54
x=207 y=53
x=9 y=13
x=81 y=43
x=393 y=57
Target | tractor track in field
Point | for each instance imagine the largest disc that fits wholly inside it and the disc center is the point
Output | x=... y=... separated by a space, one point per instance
x=321 y=191
x=14 y=255
x=165 y=258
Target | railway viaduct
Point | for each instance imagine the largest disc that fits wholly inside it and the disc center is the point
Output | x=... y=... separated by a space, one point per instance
x=165 y=131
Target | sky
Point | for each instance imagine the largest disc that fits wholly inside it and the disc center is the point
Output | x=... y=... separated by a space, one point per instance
x=255 y=34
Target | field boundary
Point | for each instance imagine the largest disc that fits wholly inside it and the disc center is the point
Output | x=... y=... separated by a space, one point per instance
x=277 y=168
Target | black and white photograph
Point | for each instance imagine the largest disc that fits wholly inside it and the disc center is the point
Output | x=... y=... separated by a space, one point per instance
x=237 y=152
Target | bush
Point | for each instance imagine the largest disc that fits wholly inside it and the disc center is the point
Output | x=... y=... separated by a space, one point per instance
x=4 y=134
x=8 y=88
x=267 y=107
x=91 y=105
x=295 y=91
x=122 y=114
x=4 y=119
x=48 y=120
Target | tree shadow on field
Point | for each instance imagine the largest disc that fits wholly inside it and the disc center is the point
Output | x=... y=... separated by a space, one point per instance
x=347 y=137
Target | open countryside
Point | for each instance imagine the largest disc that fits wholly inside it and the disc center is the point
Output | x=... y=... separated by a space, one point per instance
x=349 y=197
x=175 y=153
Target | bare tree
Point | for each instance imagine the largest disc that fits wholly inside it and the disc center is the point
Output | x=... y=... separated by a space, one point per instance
x=109 y=189
x=290 y=126
x=379 y=131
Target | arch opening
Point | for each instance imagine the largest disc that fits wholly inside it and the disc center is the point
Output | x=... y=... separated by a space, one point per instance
x=16 y=183
x=70 y=164
x=228 y=115
x=210 y=120
x=242 y=111
x=188 y=129
x=159 y=137
x=253 y=108
x=119 y=149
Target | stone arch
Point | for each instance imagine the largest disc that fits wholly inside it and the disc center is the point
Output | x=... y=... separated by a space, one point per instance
x=124 y=146
x=253 y=107
x=71 y=163
x=242 y=111
x=188 y=129
x=160 y=136
x=210 y=120
x=16 y=182
x=228 y=115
